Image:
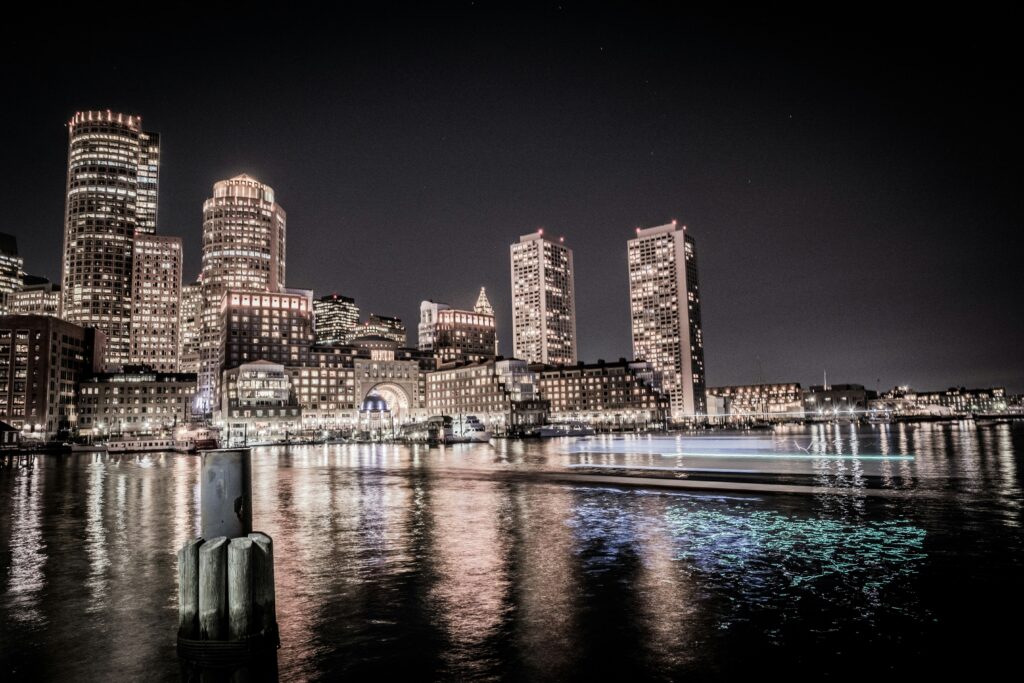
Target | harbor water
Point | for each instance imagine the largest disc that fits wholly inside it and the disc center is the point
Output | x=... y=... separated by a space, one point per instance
x=489 y=561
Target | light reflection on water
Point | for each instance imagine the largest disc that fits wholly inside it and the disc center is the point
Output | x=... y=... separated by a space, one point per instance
x=391 y=561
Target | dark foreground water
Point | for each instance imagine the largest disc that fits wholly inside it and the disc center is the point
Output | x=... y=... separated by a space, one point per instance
x=436 y=564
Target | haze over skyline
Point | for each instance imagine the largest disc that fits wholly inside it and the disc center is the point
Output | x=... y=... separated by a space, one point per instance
x=851 y=195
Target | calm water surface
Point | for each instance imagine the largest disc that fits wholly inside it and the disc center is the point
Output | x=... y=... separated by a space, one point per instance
x=437 y=564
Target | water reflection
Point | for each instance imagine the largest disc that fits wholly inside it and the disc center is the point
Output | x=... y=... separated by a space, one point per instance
x=435 y=563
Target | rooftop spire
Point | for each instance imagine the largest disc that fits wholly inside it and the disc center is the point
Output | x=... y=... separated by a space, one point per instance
x=483 y=306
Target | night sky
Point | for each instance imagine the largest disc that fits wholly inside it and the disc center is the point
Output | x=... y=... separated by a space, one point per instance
x=853 y=190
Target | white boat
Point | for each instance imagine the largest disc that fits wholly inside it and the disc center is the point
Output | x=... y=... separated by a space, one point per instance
x=565 y=429
x=470 y=430
x=146 y=444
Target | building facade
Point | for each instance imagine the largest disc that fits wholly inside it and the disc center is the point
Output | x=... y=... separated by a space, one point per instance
x=389 y=327
x=502 y=394
x=752 y=402
x=156 y=298
x=266 y=326
x=336 y=319
x=136 y=401
x=458 y=336
x=953 y=402
x=258 y=404
x=190 y=317
x=38 y=296
x=12 y=270
x=42 y=360
x=665 y=313
x=543 y=301
x=620 y=396
x=836 y=400
x=243 y=249
x=112 y=191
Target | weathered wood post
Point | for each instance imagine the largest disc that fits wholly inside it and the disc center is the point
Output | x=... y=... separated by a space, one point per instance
x=227 y=621
x=226 y=493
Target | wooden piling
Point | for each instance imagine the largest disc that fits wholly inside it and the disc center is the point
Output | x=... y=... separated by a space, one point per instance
x=213 y=594
x=241 y=620
x=264 y=600
x=188 y=590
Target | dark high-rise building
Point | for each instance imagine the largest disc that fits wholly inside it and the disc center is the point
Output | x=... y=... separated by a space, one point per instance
x=385 y=326
x=12 y=270
x=664 y=299
x=112 y=189
x=336 y=318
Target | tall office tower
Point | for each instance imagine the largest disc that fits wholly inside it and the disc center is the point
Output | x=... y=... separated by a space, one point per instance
x=243 y=248
x=156 y=297
x=336 y=319
x=543 y=301
x=664 y=301
x=190 y=321
x=111 y=194
x=12 y=269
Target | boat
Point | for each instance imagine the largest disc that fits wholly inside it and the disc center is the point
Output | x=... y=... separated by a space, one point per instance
x=434 y=430
x=470 y=430
x=146 y=444
x=564 y=429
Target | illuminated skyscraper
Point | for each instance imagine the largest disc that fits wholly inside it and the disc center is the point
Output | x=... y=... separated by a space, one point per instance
x=112 y=190
x=243 y=249
x=336 y=319
x=12 y=271
x=190 y=317
x=664 y=301
x=156 y=297
x=543 y=301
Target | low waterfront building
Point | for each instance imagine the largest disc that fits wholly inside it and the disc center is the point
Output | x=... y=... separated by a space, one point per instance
x=835 y=400
x=454 y=335
x=38 y=296
x=502 y=394
x=625 y=395
x=138 y=400
x=258 y=404
x=335 y=319
x=42 y=360
x=955 y=401
x=747 y=402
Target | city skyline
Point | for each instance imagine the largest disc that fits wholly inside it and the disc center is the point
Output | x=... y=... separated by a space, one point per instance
x=785 y=298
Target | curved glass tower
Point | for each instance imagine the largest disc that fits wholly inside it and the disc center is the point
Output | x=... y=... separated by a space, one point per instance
x=243 y=248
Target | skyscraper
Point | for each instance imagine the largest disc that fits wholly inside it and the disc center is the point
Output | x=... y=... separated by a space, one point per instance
x=664 y=300
x=112 y=190
x=543 y=301
x=244 y=249
x=190 y=318
x=12 y=271
x=336 y=319
x=156 y=297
